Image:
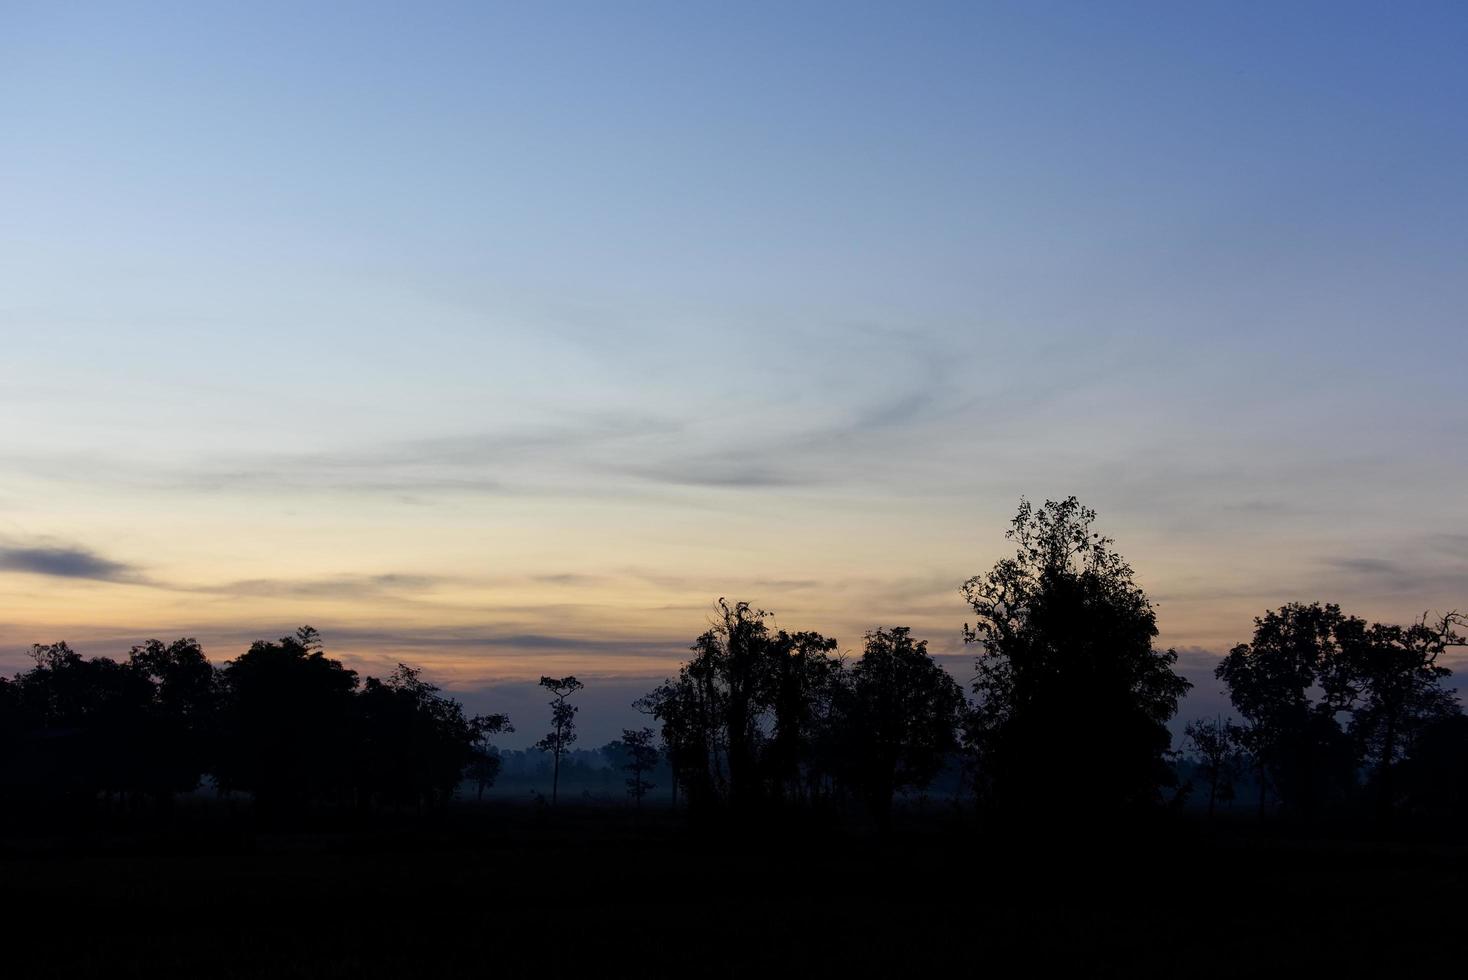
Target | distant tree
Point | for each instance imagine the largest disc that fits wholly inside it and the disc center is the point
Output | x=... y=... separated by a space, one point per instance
x=639 y=755
x=1219 y=748
x=287 y=723
x=648 y=704
x=684 y=708
x=903 y=717
x=1067 y=670
x=614 y=754
x=485 y=762
x=1289 y=684
x=1395 y=681
x=741 y=719
x=563 y=721
x=801 y=685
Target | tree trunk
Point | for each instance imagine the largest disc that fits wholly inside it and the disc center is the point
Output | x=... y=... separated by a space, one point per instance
x=1261 y=790
x=1384 y=777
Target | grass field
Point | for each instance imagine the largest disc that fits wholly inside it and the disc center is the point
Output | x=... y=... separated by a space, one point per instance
x=502 y=890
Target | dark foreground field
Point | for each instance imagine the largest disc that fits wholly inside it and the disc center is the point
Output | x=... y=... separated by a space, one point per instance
x=510 y=891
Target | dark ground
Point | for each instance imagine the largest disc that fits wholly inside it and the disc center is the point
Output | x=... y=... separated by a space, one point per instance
x=506 y=890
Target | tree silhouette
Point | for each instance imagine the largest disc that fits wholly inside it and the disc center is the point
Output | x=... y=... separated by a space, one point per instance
x=740 y=720
x=180 y=737
x=686 y=710
x=903 y=717
x=92 y=719
x=563 y=721
x=711 y=712
x=1396 y=692
x=1289 y=684
x=641 y=755
x=1066 y=669
x=731 y=658
x=1219 y=746
x=1072 y=701
x=287 y=723
x=802 y=683
x=648 y=704
x=13 y=726
x=484 y=762
x=135 y=729
x=414 y=744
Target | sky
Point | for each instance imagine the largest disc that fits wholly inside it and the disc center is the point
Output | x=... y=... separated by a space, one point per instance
x=504 y=338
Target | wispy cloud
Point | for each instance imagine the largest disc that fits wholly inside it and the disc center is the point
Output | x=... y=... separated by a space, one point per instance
x=345 y=586
x=1375 y=567
x=568 y=579
x=514 y=460
x=737 y=470
x=835 y=400
x=470 y=638
x=1424 y=573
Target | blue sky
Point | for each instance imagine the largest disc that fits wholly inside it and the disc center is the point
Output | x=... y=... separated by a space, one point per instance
x=449 y=324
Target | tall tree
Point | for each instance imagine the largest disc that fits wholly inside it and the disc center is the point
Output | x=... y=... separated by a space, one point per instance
x=903 y=717
x=563 y=724
x=734 y=655
x=1396 y=691
x=1289 y=684
x=711 y=713
x=1067 y=670
x=182 y=713
x=287 y=723
x=801 y=684
x=686 y=708
x=413 y=742
x=739 y=720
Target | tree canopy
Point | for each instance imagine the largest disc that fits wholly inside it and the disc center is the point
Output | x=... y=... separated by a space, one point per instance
x=1067 y=670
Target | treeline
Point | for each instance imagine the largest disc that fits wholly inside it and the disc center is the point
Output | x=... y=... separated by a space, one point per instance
x=1066 y=716
x=1070 y=703
x=282 y=722
x=599 y=772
